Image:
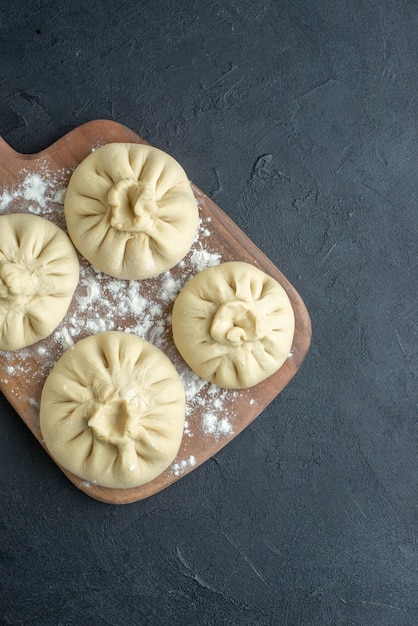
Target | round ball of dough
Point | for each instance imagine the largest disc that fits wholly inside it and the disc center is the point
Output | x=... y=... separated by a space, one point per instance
x=233 y=325
x=131 y=211
x=112 y=410
x=39 y=272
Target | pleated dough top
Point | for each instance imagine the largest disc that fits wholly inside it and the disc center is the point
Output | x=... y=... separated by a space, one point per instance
x=112 y=410
x=39 y=272
x=131 y=211
x=233 y=324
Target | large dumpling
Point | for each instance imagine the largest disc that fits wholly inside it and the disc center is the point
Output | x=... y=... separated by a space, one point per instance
x=131 y=211
x=39 y=272
x=233 y=325
x=112 y=410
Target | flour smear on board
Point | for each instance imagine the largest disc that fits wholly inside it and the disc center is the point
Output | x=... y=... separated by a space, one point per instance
x=102 y=303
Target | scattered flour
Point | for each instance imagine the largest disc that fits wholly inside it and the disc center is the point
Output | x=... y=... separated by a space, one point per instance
x=214 y=425
x=38 y=194
x=5 y=200
x=202 y=259
x=170 y=288
x=103 y=303
x=59 y=196
x=179 y=467
x=34 y=188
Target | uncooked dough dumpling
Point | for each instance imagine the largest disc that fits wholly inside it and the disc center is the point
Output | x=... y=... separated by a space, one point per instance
x=131 y=211
x=39 y=272
x=233 y=325
x=112 y=410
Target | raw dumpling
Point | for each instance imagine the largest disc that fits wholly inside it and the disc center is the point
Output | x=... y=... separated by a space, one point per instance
x=112 y=410
x=131 y=211
x=233 y=325
x=39 y=272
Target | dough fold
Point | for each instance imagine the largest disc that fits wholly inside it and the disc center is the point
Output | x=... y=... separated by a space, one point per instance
x=112 y=410
x=233 y=325
x=130 y=210
x=39 y=272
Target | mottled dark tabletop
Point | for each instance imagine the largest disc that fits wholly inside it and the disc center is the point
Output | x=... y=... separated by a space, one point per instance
x=299 y=119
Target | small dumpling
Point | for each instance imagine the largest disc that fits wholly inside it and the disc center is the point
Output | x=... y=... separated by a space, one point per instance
x=112 y=410
x=39 y=272
x=131 y=211
x=233 y=325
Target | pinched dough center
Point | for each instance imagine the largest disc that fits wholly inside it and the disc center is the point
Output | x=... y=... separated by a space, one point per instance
x=18 y=283
x=116 y=422
x=235 y=323
x=132 y=205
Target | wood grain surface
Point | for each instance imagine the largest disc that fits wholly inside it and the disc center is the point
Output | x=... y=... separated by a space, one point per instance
x=23 y=373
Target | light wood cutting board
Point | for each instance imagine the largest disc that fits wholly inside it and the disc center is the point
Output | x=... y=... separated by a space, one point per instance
x=22 y=373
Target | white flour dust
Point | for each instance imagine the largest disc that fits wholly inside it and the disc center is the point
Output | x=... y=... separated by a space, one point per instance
x=36 y=194
x=102 y=303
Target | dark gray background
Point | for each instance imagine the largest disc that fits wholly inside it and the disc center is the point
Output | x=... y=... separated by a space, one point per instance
x=299 y=118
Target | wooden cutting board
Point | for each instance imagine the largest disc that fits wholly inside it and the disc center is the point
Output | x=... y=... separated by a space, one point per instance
x=214 y=416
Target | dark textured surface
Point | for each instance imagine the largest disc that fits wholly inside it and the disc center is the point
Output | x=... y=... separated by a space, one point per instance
x=298 y=117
